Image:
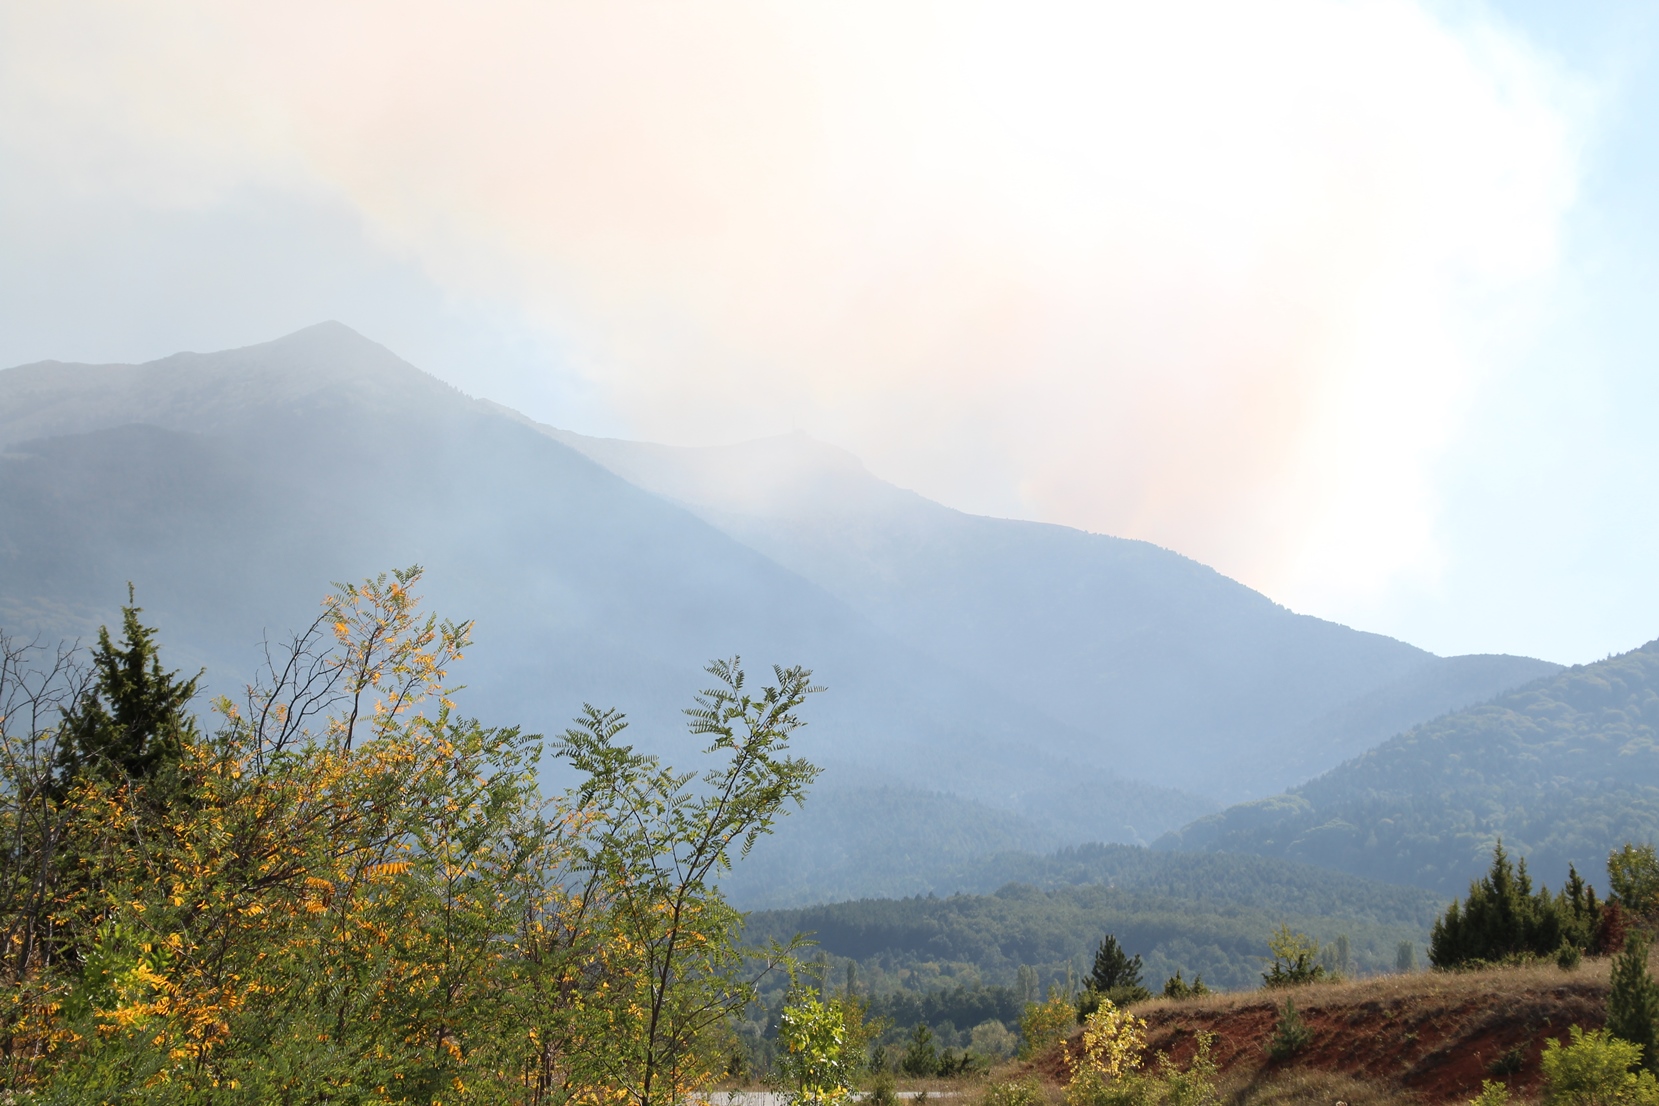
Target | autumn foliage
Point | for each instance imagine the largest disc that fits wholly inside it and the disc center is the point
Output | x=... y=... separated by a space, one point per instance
x=347 y=892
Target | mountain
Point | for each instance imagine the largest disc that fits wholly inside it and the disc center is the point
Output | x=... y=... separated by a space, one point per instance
x=1164 y=668
x=1564 y=770
x=230 y=488
x=1026 y=686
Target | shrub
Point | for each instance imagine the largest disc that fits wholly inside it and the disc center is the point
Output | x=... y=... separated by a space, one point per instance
x=1492 y=1093
x=813 y=1034
x=883 y=1090
x=1290 y=1034
x=1170 y=1085
x=1508 y=1062
x=1568 y=957
x=1633 y=1002
x=1294 y=959
x=1113 y=1040
x=1105 y=1070
x=1594 y=1070
x=1020 y=1092
x=1045 y=1024
x=1633 y=873
x=921 y=1055
x=1194 y=1086
x=992 y=1038
x=1177 y=988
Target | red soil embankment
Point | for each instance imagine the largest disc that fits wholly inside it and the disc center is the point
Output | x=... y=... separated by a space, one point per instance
x=1428 y=1036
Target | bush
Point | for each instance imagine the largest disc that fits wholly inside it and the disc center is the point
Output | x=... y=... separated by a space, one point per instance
x=921 y=1055
x=1594 y=1070
x=1196 y=1085
x=1170 y=1085
x=1633 y=873
x=813 y=1034
x=1020 y=1092
x=992 y=1039
x=1177 y=988
x=1633 y=1002
x=1089 y=1001
x=1491 y=1093
x=1294 y=959
x=1045 y=1024
x=1290 y=1034
x=346 y=886
x=1104 y=1073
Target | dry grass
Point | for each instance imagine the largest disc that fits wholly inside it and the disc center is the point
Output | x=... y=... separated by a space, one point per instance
x=1410 y=988
x=1313 y=1088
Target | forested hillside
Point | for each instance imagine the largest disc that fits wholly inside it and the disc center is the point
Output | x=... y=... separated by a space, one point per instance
x=1563 y=770
x=874 y=841
x=1206 y=914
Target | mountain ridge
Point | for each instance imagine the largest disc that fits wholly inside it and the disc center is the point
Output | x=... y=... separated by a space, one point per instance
x=1563 y=769
x=891 y=554
x=232 y=487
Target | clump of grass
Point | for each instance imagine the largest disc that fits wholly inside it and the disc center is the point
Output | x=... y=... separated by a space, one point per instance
x=883 y=1089
x=1019 y=1092
x=1509 y=1063
x=1300 y=1087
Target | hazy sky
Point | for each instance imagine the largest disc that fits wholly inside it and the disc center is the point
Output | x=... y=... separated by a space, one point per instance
x=1355 y=301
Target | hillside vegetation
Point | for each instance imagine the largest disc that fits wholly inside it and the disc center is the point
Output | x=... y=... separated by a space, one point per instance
x=1563 y=770
x=1208 y=914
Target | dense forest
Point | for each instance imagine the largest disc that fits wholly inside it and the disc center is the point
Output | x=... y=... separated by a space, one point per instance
x=925 y=943
x=1563 y=770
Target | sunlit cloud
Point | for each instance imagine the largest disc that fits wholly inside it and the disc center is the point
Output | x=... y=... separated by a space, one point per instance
x=1217 y=275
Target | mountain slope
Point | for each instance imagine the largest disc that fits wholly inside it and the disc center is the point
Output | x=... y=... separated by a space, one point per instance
x=231 y=488
x=1172 y=671
x=1564 y=770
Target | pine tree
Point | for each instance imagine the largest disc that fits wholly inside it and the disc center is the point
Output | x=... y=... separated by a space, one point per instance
x=131 y=724
x=1633 y=1003
x=1580 y=911
x=1115 y=975
x=1502 y=919
x=1113 y=967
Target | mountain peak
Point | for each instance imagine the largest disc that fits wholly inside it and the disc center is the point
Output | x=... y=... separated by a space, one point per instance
x=206 y=391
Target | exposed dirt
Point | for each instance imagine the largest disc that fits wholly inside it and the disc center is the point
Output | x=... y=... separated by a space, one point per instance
x=1428 y=1037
